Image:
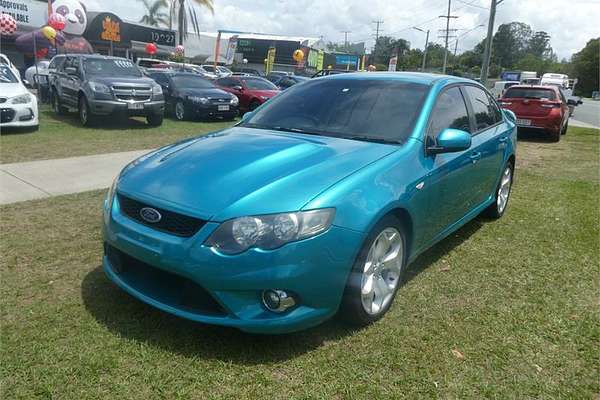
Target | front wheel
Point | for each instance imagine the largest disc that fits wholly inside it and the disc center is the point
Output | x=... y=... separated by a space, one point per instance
x=254 y=105
x=496 y=210
x=376 y=274
x=180 y=111
x=85 y=116
x=154 y=119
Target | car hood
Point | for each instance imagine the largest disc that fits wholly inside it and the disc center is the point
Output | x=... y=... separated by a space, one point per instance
x=213 y=93
x=266 y=93
x=244 y=171
x=12 y=89
x=110 y=81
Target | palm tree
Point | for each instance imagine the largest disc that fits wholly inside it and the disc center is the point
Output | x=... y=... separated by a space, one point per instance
x=185 y=13
x=154 y=13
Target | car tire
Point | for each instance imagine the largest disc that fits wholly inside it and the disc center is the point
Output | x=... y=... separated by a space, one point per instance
x=502 y=193
x=253 y=105
x=85 y=116
x=58 y=108
x=155 y=119
x=179 y=111
x=371 y=287
x=564 y=130
x=555 y=135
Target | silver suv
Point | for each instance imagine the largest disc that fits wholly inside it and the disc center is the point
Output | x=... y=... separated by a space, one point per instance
x=98 y=85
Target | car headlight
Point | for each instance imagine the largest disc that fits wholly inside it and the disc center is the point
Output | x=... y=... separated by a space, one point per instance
x=269 y=231
x=198 y=99
x=156 y=89
x=21 y=99
x=234 y=101
x=99 y=87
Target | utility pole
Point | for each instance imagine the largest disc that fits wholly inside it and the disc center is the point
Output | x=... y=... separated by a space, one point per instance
x=377 y=23
x=346 y=39
x=424 y=48
x=447 y=16
x=488 y=43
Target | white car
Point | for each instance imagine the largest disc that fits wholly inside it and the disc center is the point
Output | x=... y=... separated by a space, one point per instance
x=18 y=107
x=501 y=86
x=6 y=61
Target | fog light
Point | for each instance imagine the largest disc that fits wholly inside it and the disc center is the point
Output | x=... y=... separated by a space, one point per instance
x=277 y=300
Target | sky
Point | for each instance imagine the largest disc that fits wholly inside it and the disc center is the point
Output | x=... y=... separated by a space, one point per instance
x=570 y=23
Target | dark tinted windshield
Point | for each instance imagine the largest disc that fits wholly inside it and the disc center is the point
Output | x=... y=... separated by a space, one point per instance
x=6 y=75
x=110 y=67
x=530 y=93
x=258 y=84
x=191 y=81
x=369 y=109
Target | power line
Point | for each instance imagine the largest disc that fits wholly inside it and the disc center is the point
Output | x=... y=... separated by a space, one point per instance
x=346 y=39
x=447 y=33
x=377 y=23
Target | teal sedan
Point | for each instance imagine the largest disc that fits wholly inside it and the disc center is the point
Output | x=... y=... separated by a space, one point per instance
x=313 y=205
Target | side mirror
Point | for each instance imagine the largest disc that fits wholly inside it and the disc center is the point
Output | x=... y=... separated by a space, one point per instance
x=71 y=71
x=579 y=102
x=450 y=141
x=510 y=115
x=247 y=116
x=26 y=83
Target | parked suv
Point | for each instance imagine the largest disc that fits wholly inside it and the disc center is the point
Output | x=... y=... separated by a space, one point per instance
x=97 y=85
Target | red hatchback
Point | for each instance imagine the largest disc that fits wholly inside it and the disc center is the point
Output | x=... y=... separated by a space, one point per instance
x=538 y=107
x=252 y=91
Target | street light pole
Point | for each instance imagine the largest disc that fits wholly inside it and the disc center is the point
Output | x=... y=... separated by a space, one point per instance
x=424 y=48
x=488 y=43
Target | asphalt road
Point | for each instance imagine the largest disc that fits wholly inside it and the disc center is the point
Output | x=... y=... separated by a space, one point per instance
x=588 y=112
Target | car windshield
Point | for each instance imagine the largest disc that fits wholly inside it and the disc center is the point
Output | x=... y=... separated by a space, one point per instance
x=110 y=67
x=258 y=84
x=208 y=68
x=192 y=82
x=530 y=93
x=361 y=109
x=6 y=75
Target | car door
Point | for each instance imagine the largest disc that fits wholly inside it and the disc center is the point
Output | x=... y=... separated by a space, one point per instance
x=489 y=141
x=163 y=80
x=450 y=175
x=69 y=81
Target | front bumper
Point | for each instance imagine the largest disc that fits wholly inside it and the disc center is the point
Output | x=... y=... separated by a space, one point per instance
x=212 y=110
x=18 y=115
x=315 y=270
x=108 y=107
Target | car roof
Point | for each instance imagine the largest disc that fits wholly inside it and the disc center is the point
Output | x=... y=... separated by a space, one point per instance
x=551 y=87
x=416 y=77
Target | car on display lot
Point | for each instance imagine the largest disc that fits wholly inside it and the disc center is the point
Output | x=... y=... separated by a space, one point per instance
x=286 y=82
x=500 y=87
x=98 y=86
x=252 y=91
x=220 y=71
x=277 y=75
x=314 y=204
x=246 y=70
x=542 y=108
x=18 y=107
x=190 y=96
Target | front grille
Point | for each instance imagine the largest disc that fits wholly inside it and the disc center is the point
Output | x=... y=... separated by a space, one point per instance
x=171 y=222
x=6 y=115
x=166 y=287
x=132 y=93
x=218 y=101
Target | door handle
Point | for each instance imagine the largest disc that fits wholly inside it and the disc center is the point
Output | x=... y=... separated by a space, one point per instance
x=503 y=139
x=475 y=156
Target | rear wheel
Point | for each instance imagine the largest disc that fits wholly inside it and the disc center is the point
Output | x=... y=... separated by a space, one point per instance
x=85 y=116
x=555 y=135
x=254 y=105
x=376 y=274
x=564 y=130
x=496 y=210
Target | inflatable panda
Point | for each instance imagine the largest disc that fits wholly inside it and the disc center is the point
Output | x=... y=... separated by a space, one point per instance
x=69 y=40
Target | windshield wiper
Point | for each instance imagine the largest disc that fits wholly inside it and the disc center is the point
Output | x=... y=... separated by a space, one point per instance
x=373 y=139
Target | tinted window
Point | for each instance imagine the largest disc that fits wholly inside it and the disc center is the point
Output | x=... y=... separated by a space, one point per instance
x=485 y=111
x=110 y=67
x=530 y=93
x=258 y=84
x=449 y=111
x=374 y=109
x=56 y=62
x=191 y=81
x=160 y=78
x=228 y=82
x=6 y=75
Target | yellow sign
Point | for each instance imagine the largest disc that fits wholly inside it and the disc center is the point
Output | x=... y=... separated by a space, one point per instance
x=111 y=30
x=270 y=60
x=320 y=60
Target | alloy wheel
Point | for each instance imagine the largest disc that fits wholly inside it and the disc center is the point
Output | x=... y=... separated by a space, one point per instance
x=83 y=112
x=381 y=272
x=179 y=110
x=504 y=190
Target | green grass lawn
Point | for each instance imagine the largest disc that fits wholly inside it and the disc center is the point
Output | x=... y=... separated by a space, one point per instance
x=503 y=310
x=63 y=136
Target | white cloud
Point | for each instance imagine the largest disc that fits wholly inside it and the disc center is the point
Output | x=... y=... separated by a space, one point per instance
x=570 y=23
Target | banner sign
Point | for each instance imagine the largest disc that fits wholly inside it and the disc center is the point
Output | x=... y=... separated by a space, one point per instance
x=231 y=48
x=392 y=65
x=270 y=60
x=320 y=60
x=28 y=14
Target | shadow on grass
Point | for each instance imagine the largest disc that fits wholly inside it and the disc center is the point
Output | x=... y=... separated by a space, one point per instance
x=125 y=316
x=534 y=135
x=118 y=122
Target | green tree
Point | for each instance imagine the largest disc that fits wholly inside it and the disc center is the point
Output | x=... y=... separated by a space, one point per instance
x=155 y=16
x=586 y=68
x=386 y=47
x=539 y=45
x=184 y=13
x=510 y=43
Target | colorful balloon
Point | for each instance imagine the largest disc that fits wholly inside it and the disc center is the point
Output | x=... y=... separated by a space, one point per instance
x=57 y=21
x=151 y=48
x=179 y=49
x=8 y=25
x=48 y=32
x=41 y=53
x=298 y=55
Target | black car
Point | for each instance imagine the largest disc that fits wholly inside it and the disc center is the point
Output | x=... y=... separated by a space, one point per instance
x=288 y=81
x=190 y=96
x=244 y=70
x=274 y=76
x=98 y=86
